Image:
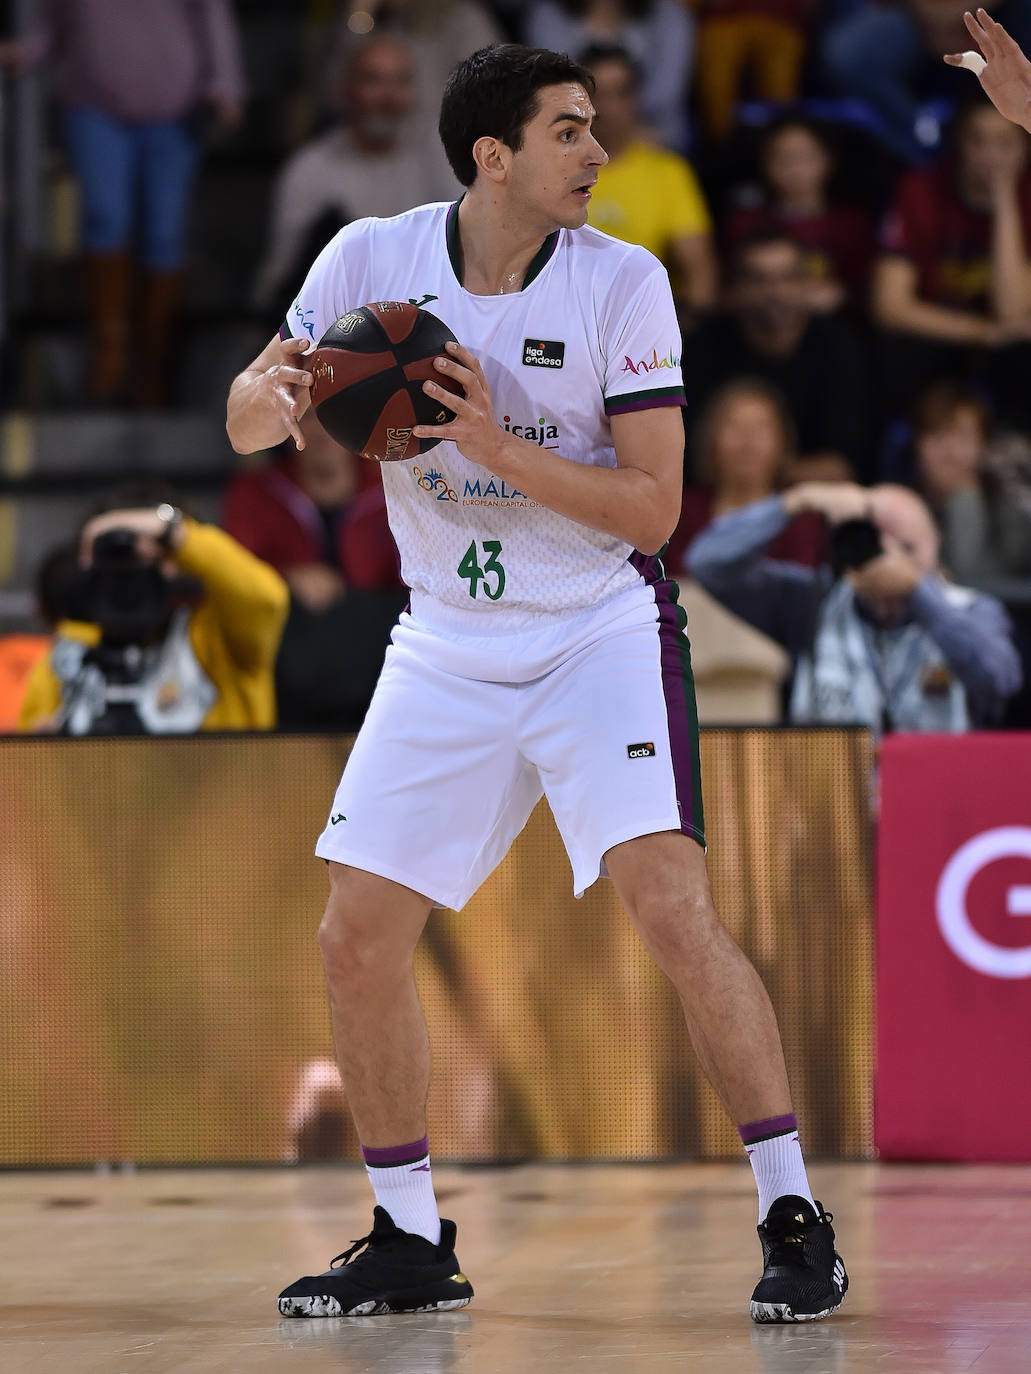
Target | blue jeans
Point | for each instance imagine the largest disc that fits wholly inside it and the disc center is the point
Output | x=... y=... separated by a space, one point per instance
x=135 y=182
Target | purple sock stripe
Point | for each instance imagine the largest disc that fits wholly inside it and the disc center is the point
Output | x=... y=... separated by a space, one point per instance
x=752 y=1131
x=393 y=1155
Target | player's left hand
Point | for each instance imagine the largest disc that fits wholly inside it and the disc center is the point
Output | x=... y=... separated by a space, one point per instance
x=474 y=429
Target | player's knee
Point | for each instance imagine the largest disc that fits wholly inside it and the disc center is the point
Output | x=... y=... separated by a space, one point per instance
x=675 y=926
x=356 y=943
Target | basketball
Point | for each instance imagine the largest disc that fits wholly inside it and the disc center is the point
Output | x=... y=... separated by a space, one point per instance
x=369 y=369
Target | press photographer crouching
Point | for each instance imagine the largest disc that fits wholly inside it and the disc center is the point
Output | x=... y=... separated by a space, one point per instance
x=169 y=626
x=880 y=638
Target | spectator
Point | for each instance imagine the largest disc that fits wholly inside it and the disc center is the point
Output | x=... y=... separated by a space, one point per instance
x=377 y=162
x=318 y=515
x=440 y=32
x=836 y=238
x=889 y=56
x=963 y=474
x=745 y=449
x=883 y=641
x=20 y=653
x=761 y=42
x=134 y=77
x=645 y=194
x=953 y=281
x=658 y=34
x=813 y=360
x=173 y=627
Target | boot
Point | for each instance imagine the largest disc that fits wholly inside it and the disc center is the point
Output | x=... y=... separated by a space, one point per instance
x=108 y=281
x=162 y=297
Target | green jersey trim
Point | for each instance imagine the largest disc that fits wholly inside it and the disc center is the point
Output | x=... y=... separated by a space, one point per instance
x=645 y=400
x=454 y=249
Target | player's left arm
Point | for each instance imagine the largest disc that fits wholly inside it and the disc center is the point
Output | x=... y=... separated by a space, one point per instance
x=637 y=501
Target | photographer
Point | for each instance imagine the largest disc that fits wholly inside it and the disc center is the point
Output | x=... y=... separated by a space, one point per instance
x=880 y=638
x=170 y=627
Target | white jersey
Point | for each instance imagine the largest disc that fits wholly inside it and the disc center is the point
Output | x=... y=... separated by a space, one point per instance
x=592 y=333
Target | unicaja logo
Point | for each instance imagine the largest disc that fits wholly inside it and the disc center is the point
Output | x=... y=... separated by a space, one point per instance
x=538 y=433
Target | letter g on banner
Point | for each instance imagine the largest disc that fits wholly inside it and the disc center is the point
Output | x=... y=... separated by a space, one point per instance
x=997 y=961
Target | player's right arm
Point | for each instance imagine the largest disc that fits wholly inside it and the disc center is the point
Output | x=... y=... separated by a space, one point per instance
x=267 y=399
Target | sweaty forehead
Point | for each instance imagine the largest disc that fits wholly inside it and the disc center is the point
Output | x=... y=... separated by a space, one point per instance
x=567 y=98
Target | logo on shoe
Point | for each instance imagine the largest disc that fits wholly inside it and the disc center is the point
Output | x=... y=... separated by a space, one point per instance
x=335 y=820
x=640 y=751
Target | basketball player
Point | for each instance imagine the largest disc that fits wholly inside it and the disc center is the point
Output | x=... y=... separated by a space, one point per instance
x=1005 y=73
x=543 y=652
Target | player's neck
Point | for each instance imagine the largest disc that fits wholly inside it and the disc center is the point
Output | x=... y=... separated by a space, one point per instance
x=495 y=248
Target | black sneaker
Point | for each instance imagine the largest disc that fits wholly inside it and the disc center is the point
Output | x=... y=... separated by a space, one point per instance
x=398 y=1272
x=803 y=1278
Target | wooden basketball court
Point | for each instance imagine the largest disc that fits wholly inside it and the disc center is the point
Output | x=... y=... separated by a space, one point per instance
x=600 y=1267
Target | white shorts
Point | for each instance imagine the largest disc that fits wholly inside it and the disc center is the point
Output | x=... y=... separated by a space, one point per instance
x=447 y=767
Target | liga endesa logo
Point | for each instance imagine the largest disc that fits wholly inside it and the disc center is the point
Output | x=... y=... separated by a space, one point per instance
x=652 y=364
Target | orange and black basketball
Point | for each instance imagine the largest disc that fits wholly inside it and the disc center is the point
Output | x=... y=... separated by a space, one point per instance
x=369 y=369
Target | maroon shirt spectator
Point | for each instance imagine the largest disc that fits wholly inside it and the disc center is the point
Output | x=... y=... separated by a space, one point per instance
x=837 y=239
x=319 y=516
x=744 y=452
x=945 y=238
x=271 y=514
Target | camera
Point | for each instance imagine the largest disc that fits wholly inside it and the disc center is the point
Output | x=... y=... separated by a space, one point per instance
x=130 y=600
x=133 y=604
x=853 y=544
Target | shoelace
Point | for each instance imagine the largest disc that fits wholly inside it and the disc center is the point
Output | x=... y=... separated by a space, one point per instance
x=345 y=1256
x=787 y=1239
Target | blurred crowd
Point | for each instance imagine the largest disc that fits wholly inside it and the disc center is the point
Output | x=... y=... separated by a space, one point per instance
x=847 y=226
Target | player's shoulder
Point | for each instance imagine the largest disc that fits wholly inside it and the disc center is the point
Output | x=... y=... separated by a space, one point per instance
x=406 y=228
x=611 y=260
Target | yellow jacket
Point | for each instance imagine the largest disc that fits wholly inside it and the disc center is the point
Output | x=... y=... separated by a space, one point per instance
x=234 y=631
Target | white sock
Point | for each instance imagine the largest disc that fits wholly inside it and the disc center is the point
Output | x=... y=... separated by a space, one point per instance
x=402 y=1181
x=778 y=1166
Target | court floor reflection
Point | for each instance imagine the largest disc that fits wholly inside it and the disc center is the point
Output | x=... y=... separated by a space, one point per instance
x=629 y=1267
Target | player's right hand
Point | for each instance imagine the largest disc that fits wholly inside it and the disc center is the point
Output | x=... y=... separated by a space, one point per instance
x=286 y=387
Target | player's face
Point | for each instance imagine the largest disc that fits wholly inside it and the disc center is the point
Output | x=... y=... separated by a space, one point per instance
x=556 y=167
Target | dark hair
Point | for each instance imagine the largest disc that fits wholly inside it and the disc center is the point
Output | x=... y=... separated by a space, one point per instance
x=817 y=131
x=938 y=405
x=493 y=94
x=137 y=494
x=704 y=434
x=54 y=577
x=760 y=238
x=597 y=53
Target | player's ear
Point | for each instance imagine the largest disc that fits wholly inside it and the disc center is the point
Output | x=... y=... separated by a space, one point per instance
x=492 y=157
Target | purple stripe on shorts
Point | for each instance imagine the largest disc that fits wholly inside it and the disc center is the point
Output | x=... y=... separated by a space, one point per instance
x=763 y=1130
x=392 y=1155
x=679 y=716
x=284 y=333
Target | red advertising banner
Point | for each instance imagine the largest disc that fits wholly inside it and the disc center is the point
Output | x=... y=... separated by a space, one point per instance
x=953 y=1077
